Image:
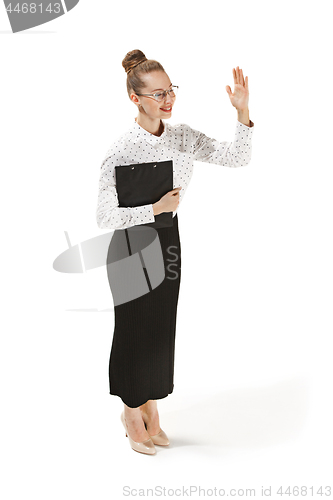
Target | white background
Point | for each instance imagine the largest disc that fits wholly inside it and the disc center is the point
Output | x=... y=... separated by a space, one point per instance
x=252 y=403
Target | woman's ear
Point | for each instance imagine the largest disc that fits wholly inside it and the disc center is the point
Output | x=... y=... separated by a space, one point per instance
x=135 y=99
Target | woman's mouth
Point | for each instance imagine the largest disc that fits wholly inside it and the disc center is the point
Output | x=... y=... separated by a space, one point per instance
x=167 y=110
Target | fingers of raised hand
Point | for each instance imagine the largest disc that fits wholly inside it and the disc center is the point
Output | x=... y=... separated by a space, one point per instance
x=238 y=76
x=242 y=78
x=234 y=75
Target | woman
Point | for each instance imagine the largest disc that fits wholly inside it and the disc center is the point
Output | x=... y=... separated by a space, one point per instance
x=142 y=354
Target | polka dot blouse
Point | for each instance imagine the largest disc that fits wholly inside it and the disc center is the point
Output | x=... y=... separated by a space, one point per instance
x=179 y=143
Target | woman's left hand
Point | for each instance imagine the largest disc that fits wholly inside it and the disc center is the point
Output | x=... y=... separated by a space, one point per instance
x=240 y=98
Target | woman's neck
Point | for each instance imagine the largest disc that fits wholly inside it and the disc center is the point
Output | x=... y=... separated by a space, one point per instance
x=153 y=126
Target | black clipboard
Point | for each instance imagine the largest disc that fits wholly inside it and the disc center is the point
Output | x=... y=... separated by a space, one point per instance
x=144 y=183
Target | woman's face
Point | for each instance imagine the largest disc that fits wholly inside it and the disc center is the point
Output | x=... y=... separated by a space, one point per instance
x=155 y=81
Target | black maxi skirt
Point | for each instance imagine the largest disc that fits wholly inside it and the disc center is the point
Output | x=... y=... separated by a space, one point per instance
x=141 y=365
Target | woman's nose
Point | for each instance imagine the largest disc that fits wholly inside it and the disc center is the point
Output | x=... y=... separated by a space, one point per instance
x=167 y=98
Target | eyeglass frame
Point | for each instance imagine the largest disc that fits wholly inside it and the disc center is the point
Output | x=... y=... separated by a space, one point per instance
x=165 y=92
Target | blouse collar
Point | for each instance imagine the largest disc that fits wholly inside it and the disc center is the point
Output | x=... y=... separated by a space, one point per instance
x=142 y=134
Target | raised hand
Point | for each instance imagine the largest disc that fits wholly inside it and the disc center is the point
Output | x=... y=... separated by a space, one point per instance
x=240 y=97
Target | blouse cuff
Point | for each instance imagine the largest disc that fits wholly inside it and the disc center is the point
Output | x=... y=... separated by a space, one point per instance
x=143 y=214
x=243 y=132
x=248 y=126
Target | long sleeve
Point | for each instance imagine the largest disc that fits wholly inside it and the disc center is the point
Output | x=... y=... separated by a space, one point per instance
x=230 y=154
x=108 y=214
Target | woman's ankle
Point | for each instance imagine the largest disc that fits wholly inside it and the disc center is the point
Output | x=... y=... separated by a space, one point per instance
x=149 y=408
x=132 y=413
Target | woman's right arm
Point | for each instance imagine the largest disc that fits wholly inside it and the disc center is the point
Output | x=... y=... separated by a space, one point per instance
x=108 y=213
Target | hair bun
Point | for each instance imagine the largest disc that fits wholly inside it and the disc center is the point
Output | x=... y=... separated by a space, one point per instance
x=132 y=59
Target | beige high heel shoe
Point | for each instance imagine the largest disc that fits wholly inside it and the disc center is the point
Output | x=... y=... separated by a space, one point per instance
x=144 y=447
x=161 y=439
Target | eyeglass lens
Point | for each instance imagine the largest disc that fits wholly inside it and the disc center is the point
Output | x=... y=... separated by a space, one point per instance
x=160 y=96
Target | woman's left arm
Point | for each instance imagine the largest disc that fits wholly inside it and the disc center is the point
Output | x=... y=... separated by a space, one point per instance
x=231 y=154
x=244 y=117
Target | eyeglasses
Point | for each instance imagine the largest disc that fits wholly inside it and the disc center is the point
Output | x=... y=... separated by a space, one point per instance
x=160 y=96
